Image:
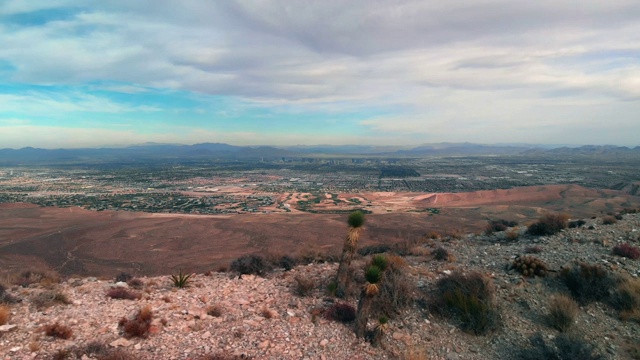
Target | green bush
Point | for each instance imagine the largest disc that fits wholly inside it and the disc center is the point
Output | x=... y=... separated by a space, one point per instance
x=356 y=219
x=470 y=300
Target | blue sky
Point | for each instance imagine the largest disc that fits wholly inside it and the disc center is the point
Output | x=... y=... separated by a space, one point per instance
x=111 y=73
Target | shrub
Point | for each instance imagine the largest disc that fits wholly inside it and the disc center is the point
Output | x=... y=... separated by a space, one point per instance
x=609 y=220
x=123 y=293
x=576 y=223
x=529 y=265
x=5 y=313
x=5 y=297
x=139 y=325
x=304 y=286
x=549 y=224
x=250 y=264
x=563 y=311
x=396 y=290
x=49 y=298
x=627 y=250
x=29 y=277
x=341 y=312
x=565 y=348
x=442 y=254
x=470 y=300
x=587 y=282
x=135 y=283
x=626 y=298
x=512 y=235
x=287 y=262
x=498 y=225
x=123 y=277
x=180 y=280
x=373 y=249
x=58 y=330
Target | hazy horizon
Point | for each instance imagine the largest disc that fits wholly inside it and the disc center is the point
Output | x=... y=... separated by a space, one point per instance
x=398 y=73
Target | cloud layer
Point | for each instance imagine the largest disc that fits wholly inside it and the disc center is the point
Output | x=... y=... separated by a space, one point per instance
x=393 y=71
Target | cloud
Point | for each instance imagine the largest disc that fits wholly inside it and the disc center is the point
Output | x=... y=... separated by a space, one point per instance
x=419 y=63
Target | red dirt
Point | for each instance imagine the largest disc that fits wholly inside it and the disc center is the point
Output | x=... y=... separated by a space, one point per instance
x=83 y=242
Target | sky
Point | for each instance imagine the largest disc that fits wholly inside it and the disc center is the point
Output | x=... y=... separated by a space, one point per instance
x=77 y=73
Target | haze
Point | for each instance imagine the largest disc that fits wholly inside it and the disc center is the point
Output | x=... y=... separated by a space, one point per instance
x=85 y=74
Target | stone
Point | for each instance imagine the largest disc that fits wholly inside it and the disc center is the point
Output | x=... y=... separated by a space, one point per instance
x=264 y=344
x=324 y=342
x=5 y=328
x=120 y=342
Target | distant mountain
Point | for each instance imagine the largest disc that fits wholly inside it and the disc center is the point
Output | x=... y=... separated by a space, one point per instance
x=220 y=151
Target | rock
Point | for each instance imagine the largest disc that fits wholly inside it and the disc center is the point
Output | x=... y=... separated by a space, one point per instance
x=5 y=328
x=120 y=342
x=324 y=342
x=264 y=344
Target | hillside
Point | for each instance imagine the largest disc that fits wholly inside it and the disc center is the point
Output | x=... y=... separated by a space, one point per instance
x=262 y=317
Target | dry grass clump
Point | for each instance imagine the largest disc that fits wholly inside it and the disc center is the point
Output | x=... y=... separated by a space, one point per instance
x=609 y=220
x=42 y=277
x=627 y=250
x=5 y=297
x=251 y=264
x=396 y=290
x=549 y=224
x=587 y=282
x=123 y=293
x=58 y=330
x=5 y=314
x=565 y=347
x=626 y=299
x=576 y=224
x=442 y=254
x=512 y=235
x=469 y=299
x=136 y=283
x=304 y=286
x=563 y=311
x=49 y=298
x=139 y=325
x=536 y=249
x=498 y=225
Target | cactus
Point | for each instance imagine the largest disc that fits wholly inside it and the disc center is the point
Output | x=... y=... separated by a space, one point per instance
x=530 y=266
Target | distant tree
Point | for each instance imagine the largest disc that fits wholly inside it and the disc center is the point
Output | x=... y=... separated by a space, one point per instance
x=355 y=221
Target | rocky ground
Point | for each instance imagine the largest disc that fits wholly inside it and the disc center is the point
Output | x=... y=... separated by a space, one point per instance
x=263 y=317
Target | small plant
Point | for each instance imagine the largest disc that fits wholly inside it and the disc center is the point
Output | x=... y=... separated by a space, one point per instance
x=512 y=235
x=396 y=291
x=5 y=297
x=136 y=283
x=498 y=225
x=576 y=223
x=609 y=220
x=304 y=286
x=49 y=298
x=470 y=299
x=587 y=282
x=565 y=347
x=373 y=275
x=373 y=249
x=287 y=262
x=180 y=280
x=356 y=219
x=123 y=277
x=529 y=265
x=341 y=312
x=380 y=261
x=251 y=264
x=549 y=224
x=58 y=330
x=122 y=293
x=5 y=313
x=45 y=278
x=442 y=254
x=563 y=311
x=626 y=298
x=139 y=325
x=627 y=250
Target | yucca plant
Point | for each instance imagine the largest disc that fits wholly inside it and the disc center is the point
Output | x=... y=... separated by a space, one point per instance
x=356 y=221
x=373 y=275
x=181 y=280
x=380 y=261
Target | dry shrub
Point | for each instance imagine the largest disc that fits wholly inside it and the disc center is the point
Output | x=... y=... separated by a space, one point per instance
x=58 y=330
x=5 y=313
x=136 y=283
x=341 y=312
x=214 y=310
x=498 y=225
x=139 y=325
x=563 y=311
x=536 y=249
x=626 y=299
x=565 y=347
x=123 y=293
x=512 y=235
x=251 y=264
x=43 y=277
x=627 y=250
x=587 y=282
x=576 y=223
x=123 y=277
x=609 y=220
x=304 y=286
x=469 y=299
x=49 y=298
x=549 y=224
x=443 y=254
x=373 y=249
x=5 y=297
